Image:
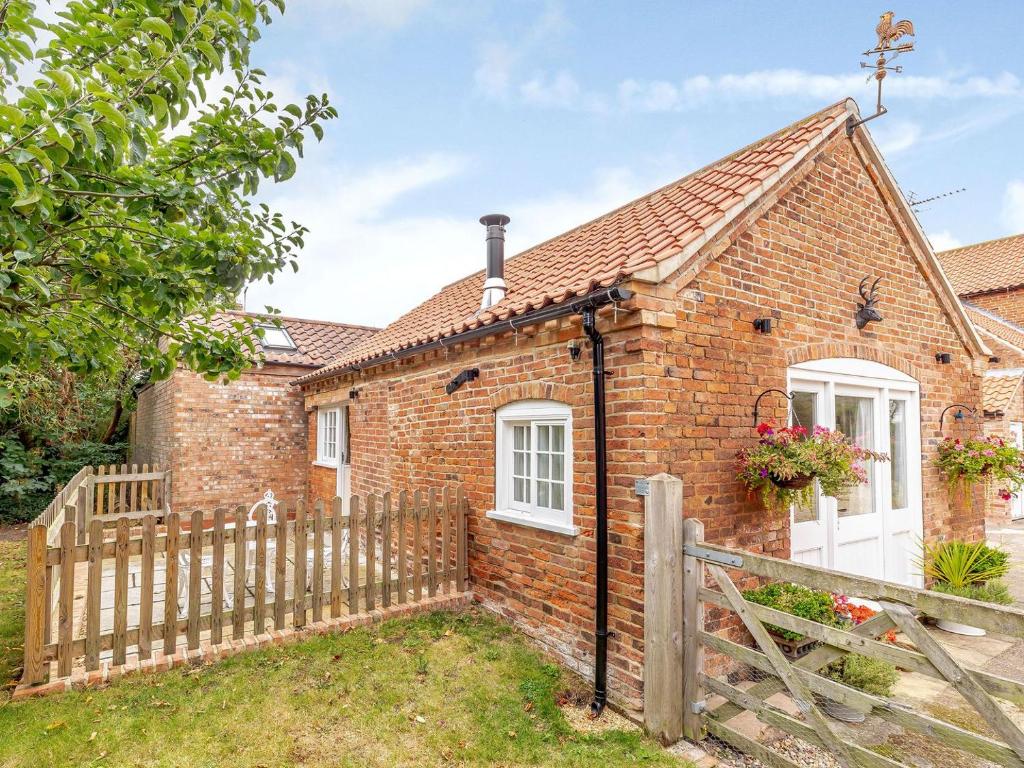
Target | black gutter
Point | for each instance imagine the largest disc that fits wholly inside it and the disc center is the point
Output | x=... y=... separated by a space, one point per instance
x=601 y=527
x=593 y=299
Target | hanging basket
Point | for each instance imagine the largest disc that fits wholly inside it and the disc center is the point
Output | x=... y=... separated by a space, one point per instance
x=794 y=483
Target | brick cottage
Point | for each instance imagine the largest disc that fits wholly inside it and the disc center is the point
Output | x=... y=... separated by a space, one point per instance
x=228 y=442
x=989 y=278
x=736 y=279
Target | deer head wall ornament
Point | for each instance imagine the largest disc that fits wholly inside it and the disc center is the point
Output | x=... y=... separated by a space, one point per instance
x=866 y=312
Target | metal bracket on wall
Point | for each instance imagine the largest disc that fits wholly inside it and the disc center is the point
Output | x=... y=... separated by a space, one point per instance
x=711 y=556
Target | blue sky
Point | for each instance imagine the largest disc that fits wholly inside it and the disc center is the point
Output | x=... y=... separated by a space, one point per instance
x=555 y=112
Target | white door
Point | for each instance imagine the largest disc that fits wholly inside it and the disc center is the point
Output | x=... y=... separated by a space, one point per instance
x=872 y=529
x=344 y=489
x=1017 y=504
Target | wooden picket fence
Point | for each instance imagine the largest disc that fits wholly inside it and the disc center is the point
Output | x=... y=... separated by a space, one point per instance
x=304 y=565
x=107 y=492
x=682 y=697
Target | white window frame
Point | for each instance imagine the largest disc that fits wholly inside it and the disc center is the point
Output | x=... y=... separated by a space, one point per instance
x=534 y=414
x=323 y=457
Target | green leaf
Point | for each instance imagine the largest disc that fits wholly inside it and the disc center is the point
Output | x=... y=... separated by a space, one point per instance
x=12 y=116
x=14 y=175
x=157 y=26
x=318 y=131
x=31 y=198
x=210 y=53
x=62 y=80
x=111 y=114
x=159 y=104
x=294 y=109
x=285 y=167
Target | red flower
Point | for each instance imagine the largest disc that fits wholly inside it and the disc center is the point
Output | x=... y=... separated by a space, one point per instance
x=798 y=431
x=764 y=428
x=1005 y=495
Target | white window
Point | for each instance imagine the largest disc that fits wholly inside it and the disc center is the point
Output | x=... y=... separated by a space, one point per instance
x=533 y=451
x=327 y=436
x=276 y=338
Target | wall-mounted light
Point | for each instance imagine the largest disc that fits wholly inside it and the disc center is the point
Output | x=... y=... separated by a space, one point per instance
x=943 y=357
x=467 y=375
x=959 y=416
x=353 y=394
x=575 y=350
x=763 y=325
x=994 y=359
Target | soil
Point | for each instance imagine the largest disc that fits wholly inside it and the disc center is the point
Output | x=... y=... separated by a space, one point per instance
x=16 y=532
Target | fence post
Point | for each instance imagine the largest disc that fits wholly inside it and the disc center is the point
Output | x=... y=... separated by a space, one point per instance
x=693 y=623
x=37 y=603
x=663 y=608
x=461 y=542
x=81 y=513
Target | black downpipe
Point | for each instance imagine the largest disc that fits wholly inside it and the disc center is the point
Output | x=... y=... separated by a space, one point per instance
x=601 y=527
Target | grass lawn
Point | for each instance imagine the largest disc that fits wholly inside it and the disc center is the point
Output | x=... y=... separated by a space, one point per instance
x=439 y=690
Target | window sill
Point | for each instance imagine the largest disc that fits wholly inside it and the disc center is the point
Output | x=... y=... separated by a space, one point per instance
x=517 y=518
x=325 y=464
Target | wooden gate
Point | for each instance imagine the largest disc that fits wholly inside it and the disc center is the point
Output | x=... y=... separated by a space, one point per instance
x=725 y=671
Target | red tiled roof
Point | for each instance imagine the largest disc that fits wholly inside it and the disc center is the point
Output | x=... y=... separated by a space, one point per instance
x=610 y=248
x=998 y=391
x=988 y=266
x=1004 y=330
x=316 y=341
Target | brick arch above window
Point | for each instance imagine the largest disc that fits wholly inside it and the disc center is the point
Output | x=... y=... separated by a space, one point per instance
x=825 y=350
x=534 y=390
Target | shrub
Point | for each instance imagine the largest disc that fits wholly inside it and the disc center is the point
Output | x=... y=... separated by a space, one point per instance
x=810 y=604
x=872 y=676
x=961 y=564
x=994 y=591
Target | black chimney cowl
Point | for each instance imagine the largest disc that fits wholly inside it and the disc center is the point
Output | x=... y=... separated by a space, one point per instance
x=494 y=282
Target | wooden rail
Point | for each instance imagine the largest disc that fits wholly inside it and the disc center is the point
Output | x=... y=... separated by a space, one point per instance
x=902 y=607
x=233 y=573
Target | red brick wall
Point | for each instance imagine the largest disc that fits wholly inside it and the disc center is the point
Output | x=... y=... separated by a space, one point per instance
x=226 y=443
x=1008 y=304
x=686 y=369
x=153 y=424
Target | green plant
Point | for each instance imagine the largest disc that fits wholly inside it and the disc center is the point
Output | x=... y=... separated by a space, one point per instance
x=128 y=206
x=784 y=464
x=994 y=591
x=982 y=460
x=961 y=564
x=811 y=604
x=872 y=676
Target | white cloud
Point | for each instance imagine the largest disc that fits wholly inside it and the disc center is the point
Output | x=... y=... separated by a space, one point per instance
x=368 y=260
x=944 y=240
x=500 y=61
x=494 y=72
x=896 y=137
x=665 y=96
x=1013 y=206
x=562 y=91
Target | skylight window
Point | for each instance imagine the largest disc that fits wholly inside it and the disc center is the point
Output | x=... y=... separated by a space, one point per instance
x=276 y=338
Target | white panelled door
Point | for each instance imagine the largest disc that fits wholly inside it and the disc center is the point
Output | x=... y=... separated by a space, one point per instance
x=1017 y=503
x=344 y=489
x=872 y=529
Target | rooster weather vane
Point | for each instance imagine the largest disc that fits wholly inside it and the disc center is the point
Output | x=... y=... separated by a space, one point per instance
x=886 y=51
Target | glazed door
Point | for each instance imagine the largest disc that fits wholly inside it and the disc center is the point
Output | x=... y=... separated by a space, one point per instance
x=901 y=484
x=811 y=533
x=872 y=529
x=344 y=489
x=1017 y=503
x=859 y=511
